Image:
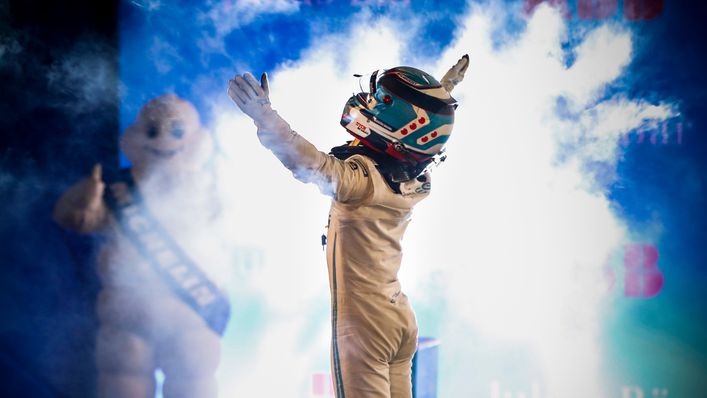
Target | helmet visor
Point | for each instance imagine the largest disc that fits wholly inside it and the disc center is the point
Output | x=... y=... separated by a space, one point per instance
x=366 y=87
x=416 y=97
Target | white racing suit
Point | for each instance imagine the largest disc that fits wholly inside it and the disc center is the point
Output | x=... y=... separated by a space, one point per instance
x=374 y=331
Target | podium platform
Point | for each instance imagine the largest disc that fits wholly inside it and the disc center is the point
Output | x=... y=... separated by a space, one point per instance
x=425 y=368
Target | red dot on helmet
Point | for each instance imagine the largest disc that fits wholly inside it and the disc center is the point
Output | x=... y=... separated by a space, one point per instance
x=424 y=139
x=404 y=131
x=387 y=99
x=413 y=126
x=434 y=134
x=421 y=120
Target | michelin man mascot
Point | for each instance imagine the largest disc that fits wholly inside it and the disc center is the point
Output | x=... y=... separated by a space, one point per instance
x=159 y=306
x=400 y=128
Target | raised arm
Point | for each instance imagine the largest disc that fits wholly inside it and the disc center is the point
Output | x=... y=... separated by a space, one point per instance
x=345 y=181
x=455 y=74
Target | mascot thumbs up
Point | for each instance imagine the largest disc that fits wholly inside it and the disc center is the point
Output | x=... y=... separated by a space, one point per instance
x=160 y=304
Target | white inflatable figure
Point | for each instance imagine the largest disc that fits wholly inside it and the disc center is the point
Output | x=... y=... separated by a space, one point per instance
x=144 y=325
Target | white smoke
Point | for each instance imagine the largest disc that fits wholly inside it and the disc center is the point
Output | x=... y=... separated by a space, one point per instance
x=517 y=228
x=514 y=237
x=164 y=55
x=9 y=49
x=84 y=77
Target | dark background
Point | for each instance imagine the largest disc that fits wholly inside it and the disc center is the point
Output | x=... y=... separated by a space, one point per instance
x=47 y=328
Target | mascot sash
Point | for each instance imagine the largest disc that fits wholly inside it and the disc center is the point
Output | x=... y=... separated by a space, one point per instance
x=182 y=275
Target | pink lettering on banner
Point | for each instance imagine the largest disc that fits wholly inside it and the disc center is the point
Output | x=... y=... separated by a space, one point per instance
x=559 y=4
x=665 y=130
x=641 y=135
x=679 y=133
x=642 y=276
x=322 y=385
x=664 y=133
x=637 y=10
x=596 y=9
x=634 y=10
x=357 y=3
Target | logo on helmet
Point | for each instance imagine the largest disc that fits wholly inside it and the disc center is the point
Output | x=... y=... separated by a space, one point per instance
x=361 y=127
x=416 y=118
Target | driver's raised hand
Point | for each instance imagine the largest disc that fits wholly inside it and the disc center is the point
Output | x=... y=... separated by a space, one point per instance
x=251 y=96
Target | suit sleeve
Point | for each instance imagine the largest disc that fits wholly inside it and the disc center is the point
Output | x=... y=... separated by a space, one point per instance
x=346 y=181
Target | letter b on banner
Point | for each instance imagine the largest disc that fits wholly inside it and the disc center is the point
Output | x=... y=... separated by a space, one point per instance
x=643 y=278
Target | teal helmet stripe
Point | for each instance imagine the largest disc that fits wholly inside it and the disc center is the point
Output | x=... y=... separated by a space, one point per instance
x=408 y=115
x=397 y=113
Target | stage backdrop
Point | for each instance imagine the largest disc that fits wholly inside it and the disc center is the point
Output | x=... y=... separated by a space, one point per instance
x=560 y=253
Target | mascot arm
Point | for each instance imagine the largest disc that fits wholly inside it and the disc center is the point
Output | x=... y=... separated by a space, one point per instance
x=81 y=208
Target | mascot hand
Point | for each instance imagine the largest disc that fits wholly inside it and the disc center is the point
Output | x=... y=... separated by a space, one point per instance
x=90 y=190
x=455 y=74
x=81 y=207
x=250 y=96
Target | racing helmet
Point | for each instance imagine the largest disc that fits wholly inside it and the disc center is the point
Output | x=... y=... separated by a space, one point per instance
x=406 y=114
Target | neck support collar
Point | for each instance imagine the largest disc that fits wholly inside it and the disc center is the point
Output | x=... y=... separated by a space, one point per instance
x=393 y=171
